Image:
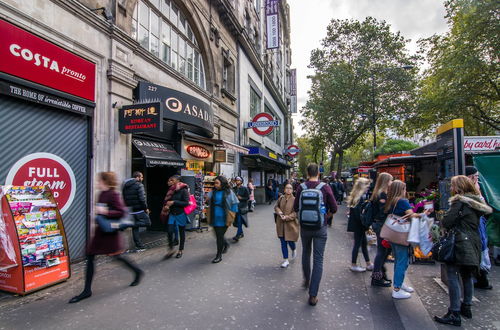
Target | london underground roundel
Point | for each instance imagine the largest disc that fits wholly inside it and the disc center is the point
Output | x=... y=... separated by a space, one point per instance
x=263 y=123
x=45 y=169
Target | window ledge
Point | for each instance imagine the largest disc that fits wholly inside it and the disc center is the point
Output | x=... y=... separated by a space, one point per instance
x=229 y=95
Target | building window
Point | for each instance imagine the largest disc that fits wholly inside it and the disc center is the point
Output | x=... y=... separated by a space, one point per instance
x=275 y=135
x=228 y=75
x=254 y=103
x=161 y=28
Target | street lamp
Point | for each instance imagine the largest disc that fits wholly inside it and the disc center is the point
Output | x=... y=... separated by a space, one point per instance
x=374 y=116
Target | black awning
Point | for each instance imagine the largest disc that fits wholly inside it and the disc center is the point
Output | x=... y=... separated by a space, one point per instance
x=158 y=154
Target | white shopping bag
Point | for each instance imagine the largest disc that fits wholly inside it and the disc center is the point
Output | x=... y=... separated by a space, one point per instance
x=424 y=234
x=413 y=235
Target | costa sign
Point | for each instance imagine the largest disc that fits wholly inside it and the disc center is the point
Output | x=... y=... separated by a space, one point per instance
x=293 y=150
x=45 y=169
x=27 y=56
x=198 y=151
x=262 y=124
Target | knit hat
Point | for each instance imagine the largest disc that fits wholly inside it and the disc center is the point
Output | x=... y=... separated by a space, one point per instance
x=238 y=178
x=469 y=170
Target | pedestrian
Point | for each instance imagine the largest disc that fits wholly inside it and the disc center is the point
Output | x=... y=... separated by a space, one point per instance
x=243 y=196
x=221 y=213
x=287 y=225
x=314 y=237
x=172 y=213
x=251 y=200
x=482 y=281
x=398 y=204
x=110 y=206
x=339 y=197
x=355 y=202
x=135 y=198
x=378 y=199
x=466 y=207
x=270 y=190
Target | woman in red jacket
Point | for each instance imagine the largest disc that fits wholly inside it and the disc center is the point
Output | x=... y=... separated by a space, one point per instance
x=112 y=207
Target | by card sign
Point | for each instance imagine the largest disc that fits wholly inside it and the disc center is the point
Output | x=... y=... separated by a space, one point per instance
x=45 y=169
x=272 y=24
x=262 y=124
x=141 y=118
x=27 y=56
x=481 y=143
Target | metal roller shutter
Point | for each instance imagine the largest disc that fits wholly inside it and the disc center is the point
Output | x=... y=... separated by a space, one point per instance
x=27 y=128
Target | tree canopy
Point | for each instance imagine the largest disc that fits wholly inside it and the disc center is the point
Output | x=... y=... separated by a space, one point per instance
x=393 y=146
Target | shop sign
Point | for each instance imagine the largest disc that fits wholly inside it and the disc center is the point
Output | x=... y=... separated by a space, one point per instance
x=273 y=155
x=198 y=151
x=293 y=150
x=481 y=143
x=179 y=106
x=220 y=156
x=27 y=56
x=272 y=24
x=141 y=118
x=45 y=169
x=262 y=124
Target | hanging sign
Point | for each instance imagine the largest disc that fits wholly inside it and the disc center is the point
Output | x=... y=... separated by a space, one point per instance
x=293 y=150
x=262 y=124
x=141 y=118
x=272 y=24
x=481 y=143
x=198 y=151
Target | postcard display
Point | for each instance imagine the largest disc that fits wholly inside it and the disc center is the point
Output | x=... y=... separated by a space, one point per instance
x=33 y=247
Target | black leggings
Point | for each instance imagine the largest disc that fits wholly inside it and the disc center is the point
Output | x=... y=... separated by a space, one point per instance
x=89 y=274
x=221 y=241
x=171 y=233
x=359 y=241
x=380 y=259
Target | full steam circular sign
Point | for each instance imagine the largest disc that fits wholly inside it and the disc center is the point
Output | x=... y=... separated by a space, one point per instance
x=45 y=169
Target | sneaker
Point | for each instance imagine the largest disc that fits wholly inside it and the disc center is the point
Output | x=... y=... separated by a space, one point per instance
x=408 y=289
x=357 y=269
x=285 y=264
x=401 y=294
x=294 y=254
x=369 y=267
x=140 y=250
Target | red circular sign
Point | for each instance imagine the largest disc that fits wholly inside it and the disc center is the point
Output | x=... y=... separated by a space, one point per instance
x=262 y=117
x=293 y=150
x=44 y=169
x=198 y=151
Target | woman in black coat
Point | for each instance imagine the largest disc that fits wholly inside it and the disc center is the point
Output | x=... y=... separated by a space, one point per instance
x=466 y=207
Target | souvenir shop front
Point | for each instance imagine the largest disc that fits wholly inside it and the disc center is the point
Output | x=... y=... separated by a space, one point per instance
x=47 y=97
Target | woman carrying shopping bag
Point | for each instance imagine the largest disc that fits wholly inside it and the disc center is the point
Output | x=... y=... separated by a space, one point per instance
x=111 y=207
x=221 y=213
x=466 y=208
x=287 y=225
x=354 y=225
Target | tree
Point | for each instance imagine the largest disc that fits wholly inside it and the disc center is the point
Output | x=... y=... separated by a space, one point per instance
x=357 y=63
x=464 y=73
x=393 y=146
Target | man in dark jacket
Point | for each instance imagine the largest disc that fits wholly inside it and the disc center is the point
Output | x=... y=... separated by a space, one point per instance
x=314 y=240
x=135 y=198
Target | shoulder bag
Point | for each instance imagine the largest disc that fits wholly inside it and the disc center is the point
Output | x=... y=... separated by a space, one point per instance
x=444 y=249
x=396 y=229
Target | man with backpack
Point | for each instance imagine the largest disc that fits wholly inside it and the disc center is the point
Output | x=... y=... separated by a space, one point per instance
x=313 y=202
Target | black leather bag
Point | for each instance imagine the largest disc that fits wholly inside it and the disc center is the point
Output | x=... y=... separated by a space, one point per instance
x=444 y=250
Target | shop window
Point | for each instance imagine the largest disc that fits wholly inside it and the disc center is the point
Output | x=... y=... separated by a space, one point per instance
x=160 y=27
x=254 y=103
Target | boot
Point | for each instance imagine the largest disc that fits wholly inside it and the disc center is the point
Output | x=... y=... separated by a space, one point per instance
x=482 y=281
x=385 y=278
x=465 y=311
x=451 y=317
x=217 y=259
x=381 y=282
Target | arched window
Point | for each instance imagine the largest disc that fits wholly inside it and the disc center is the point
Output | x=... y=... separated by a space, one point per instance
x=160 y=27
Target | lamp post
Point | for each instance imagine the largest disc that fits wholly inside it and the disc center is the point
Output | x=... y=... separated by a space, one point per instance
x=374 y=114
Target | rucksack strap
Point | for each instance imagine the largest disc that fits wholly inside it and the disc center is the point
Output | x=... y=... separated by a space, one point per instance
x=320 y=186
x=303 y=185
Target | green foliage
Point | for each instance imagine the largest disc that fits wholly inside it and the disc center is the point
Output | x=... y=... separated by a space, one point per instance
x=463 y=78
x=393 y=146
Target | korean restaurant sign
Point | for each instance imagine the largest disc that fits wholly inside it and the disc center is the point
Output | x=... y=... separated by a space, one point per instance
x=481 y=143
x=29 y=57
x=141 y=118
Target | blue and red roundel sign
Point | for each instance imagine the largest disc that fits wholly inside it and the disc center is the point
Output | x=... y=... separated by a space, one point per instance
x=263 y=123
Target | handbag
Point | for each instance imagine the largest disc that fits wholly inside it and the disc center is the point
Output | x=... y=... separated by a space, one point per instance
x=111 y=226
x=396 y=229
x=444 y=250
x=192 y=205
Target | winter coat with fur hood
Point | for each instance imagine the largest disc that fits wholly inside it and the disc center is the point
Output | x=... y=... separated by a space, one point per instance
x=463 y=216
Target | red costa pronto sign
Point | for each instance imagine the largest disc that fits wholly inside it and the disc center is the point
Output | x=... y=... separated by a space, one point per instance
x=27 y=56
x=44 y=169
x=293 y=150
x=263 y=123
x=198 y=151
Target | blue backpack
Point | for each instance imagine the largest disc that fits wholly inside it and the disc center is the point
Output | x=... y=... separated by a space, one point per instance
x=311 y=214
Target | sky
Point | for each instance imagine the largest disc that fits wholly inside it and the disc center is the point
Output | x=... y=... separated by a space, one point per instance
x=415 y=19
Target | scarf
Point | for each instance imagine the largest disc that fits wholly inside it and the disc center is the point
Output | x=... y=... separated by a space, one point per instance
x=165 y=211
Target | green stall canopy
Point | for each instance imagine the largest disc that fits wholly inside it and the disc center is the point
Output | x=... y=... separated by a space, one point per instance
x=488 y=166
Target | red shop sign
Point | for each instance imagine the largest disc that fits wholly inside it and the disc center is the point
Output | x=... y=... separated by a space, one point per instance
x=45 y=169
x=198 y=151
x=32 y=58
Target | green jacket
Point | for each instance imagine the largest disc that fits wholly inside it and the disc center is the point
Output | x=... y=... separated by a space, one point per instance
x=463 y=215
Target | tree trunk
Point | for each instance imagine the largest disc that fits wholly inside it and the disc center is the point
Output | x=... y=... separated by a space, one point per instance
x=333 y=156
x=339 y=168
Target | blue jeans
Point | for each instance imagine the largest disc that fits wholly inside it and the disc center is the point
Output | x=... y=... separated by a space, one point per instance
x=240 y=225
x=313 y=241
x=454 y=286
x=401 y=260
x=284 y=247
